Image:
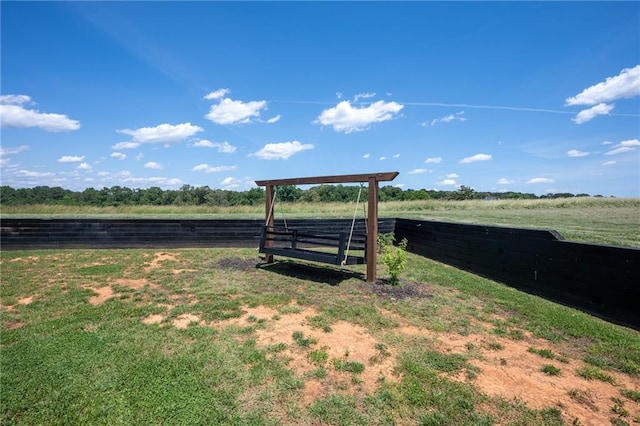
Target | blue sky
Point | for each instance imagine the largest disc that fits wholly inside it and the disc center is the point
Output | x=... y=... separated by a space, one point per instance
x=534 y=97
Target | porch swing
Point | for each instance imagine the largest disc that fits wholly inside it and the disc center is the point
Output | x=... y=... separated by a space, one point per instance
x=303 y=243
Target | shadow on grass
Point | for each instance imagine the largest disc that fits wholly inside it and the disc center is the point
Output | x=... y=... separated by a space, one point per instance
x=311 y=272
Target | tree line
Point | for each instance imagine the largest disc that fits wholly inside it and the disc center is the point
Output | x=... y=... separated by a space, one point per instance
x=203 y=195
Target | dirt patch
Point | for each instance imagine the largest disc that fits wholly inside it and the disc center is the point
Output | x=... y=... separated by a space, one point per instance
x=25 y=300
x=405 y=290
x=509 y=369
x=158 y=258
x=181 y=271
x=154 y=319
x=134 y=284
x=236 y=263
x=102 y=295
x=345 y=345
x=28 y=259
x=184 y=320
x=12 y=325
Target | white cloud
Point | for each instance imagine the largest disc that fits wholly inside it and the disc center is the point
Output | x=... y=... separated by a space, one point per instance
x=126 y=145
x=453 y=175
x=31 y=174
x=540 y=180
x=359 y=96
x=608 y=143
x=15 y=99
x=217 y=94
x=382 y=158
x=475 y=158
x=126 y=178
x=589 y=114
x=458 y=116
x=140 y=156
x=84 y=166
x=624 y=146
x=224 y=147
x=366 y=155
x=153 y=165
x=163 y=133
x=346 y=118
x=417 y=171
x=13 y=150
x=396 y=155
x=118 y=155
x=624 y=85
x=212 y=169
x=339 y=95
x=434 y=160
x=70 y=159
x=13 y=114
x=273 y=119
x=230 y=183
x=228 y=111
x=447 y=182
x=282 y=150
x=504 y=181
x=608 y=163
x=576 y=153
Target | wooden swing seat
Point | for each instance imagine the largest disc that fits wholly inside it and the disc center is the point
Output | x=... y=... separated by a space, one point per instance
x=298 y=243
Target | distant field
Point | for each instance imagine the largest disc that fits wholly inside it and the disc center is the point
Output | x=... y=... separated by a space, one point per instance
x=613 y=221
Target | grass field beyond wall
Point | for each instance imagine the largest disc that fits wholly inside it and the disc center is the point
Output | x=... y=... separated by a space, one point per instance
x=614 y=221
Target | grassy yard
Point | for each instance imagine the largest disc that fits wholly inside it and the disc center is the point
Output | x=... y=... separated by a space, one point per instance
x=211 y=337
x=593 y=220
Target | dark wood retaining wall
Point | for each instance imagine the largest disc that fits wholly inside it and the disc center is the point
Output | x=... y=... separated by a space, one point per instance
x=32 y=234
x=604 y=280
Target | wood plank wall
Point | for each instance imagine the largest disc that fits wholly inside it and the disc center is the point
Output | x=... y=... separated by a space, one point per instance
x=32 y=234
x=601 y=279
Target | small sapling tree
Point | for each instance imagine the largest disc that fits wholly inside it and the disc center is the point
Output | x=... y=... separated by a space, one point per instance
x=395 y=259
x=384 y=240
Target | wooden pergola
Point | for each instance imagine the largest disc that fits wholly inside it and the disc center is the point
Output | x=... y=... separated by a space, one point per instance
x=372 y=211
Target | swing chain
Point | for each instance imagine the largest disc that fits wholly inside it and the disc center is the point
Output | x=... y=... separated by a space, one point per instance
x=353 y=222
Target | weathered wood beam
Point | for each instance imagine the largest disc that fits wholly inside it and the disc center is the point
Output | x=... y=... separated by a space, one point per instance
x=268 y=258
x=355 y=178
x=372 y=230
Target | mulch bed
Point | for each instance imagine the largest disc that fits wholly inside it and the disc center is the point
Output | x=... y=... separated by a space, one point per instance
x=405 y=289
x=236 y=263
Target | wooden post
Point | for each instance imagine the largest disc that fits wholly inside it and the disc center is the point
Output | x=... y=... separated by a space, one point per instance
x=268 y=258
x=372 y=230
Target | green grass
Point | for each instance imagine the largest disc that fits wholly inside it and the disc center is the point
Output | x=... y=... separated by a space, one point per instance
x=65 y=361
x=318 y=357
x=303 y=342
x=348 y=366
x=594 y=373
x=550 y=370
x=633 y=395
x=544 y=353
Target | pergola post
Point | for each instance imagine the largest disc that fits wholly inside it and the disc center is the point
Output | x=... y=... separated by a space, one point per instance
x=372 y=230
x=372 y=215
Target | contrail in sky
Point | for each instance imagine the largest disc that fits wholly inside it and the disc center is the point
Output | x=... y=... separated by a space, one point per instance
x=461 y=105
